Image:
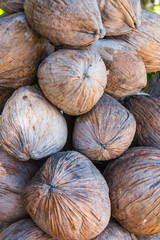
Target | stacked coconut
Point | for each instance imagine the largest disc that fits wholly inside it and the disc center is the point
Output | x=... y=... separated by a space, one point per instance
x=77 y=163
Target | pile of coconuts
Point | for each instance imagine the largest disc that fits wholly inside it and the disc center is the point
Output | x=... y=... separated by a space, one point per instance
x=79 y=126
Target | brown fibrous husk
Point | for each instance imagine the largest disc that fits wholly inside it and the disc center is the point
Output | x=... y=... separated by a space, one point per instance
x=133 y=181
x=68 y=198
x=146 y=110
x=105 y=132
x=73 y=80
x=127 y=73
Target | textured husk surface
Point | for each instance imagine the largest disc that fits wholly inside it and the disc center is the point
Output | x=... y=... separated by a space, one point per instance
x=12 y=6
x=133 y=181
x=152 y=237
x=14 y=176
x=146 y=40
x=153 y=86
x=120 y=16
x=68 y=198
x=74 y=23
x=105 y=132
x=146 y=110
x=24 y=229
x=114 y=231
x=4 y=95
x=31 y=127
x=21 y=51
x=73 y=80
x=127 y=73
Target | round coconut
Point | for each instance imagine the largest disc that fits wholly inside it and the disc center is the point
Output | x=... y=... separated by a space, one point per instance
x=133 y=181
x=146 y=40
x=146 y=110
x=115 y=232
x=14 y=176
x=120 y=16
x=68 y=198
x=73 y=80
x=24 y=229
x=31 y=127
x=12 y=6
x=127 y=73
x=74 y=23
x=105 y=132
x=21 y=51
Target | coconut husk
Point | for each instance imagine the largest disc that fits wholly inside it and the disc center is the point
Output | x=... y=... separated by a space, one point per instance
x=68 y=198
x=133 y=181
x=21 y=51
x=73 y=80
x=114 y=231
x=127 y=73
x=31 y=127
x=14 y=176
x=105 y=132
x=120 y=16
x=152 y=237
x=24 y=229
x=146 y=111
x=153 y=86
x=146 y=40
x=12 y=6
x=4 y=95
x=74 y=23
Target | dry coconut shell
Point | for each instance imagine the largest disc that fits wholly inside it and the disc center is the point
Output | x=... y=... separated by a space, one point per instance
x=146 y=40
x=153 y=86
x=105 y=132
x=127 y=73
x=152 y=237
x=114 y=231
x=24 y=229
x=21 y=51
x=73 y=80
x=74 y=23
x=134 y=191
x=14 y=176
x=68 y=198
x=31 y=127
x=120 y=16
x=11 y=6
x=146 y=110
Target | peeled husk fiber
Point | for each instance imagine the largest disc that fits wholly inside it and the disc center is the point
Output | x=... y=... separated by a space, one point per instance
x=73 y=80
x=21 y=51
x=127 y=73
x=31 y=127
x=24 y=229
x=105 y=132
x=120 y=16
x=68 y=198
x=146 y=111
x=74 y=23
x=146 y=40
x=133 y=181
x=12 y=6
x=14 y=176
